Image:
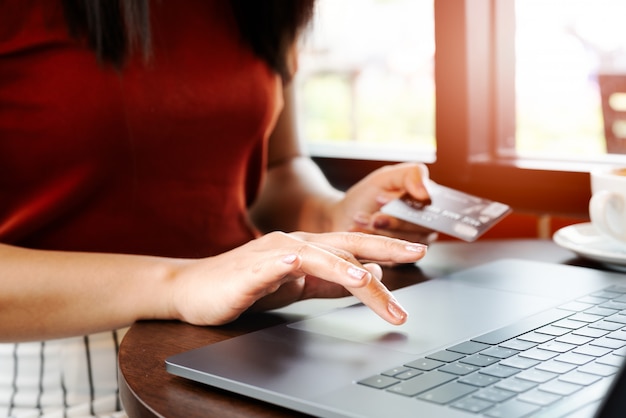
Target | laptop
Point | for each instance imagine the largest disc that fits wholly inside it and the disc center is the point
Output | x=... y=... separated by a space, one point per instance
x=510 y=338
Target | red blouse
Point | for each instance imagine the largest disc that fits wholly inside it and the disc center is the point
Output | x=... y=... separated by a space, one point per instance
x=161 y=158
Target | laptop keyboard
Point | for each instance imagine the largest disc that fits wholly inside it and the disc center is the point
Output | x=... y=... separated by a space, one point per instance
x=525 y=368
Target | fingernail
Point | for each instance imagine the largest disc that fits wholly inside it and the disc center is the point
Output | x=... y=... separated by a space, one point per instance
x=357 y=273
x=396 y=310
x=375 y=270
x=381 y=223
x=361 y=218
x=290 y=258
x=425 y=200
x=382 y=200
x=416 y=248
x=424 y=195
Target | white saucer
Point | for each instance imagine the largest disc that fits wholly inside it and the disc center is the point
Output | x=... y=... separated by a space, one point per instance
x=587 y=242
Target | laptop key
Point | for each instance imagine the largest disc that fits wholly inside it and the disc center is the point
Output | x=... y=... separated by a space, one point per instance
x=590 y=332
x=445 y=356
x=607 y=342
x=596 y=310
x=579 y=378
x=378 y=382
x=425 y=364
x=621 y=299
x=591 y=350
x=519 y=362
x=606 y=325
x=447 y=393
x=512 y=409
x=606 y=294
x=539 y=397
x=536 y=337
x=421 y=383
x=500 y=352
x=517 y=344
x=526 y=325
x=585 y=317
x=619 y=318
x=553 y=330
x=571 y=404
x=558 y=367
x=479 y=360
x=537 y=376
x=620 y=352
x=468 y=347
x=620 y=334
x=495 y=395
x=516 y=385
x=593 y=300
x=600 y=369
x=574 y=339
x=574 y=358
x=569 y=323
x=611 y=360
x=557 y=346
x=499 y=370
x=395 y=371
x=616 y=288
x=408 y=374
x=560 y=388
x=613 y=304
x=471 y=404
x=576 y=306
x=458 y=369
x=538 y=354
x=479 y=380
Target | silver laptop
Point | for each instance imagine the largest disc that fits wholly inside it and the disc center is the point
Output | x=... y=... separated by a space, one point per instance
x=509 y=339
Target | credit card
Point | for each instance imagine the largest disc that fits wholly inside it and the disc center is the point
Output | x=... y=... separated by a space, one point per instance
x=451 y=212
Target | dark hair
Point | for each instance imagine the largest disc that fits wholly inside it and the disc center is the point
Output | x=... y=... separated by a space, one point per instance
x=114 y=29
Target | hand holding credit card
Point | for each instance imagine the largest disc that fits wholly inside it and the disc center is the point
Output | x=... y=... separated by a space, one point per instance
x=451 y=212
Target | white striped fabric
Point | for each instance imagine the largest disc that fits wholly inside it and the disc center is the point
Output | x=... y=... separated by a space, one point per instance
x=71 y=377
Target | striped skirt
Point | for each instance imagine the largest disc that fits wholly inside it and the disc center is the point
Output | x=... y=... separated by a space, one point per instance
x=71 y=377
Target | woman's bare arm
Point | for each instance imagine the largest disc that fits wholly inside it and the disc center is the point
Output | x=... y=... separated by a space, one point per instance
x=51 y=294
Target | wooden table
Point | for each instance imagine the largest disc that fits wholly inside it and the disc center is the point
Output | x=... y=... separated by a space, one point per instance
x=147 y=390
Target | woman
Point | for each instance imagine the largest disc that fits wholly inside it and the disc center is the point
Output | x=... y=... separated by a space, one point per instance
x=147 y=152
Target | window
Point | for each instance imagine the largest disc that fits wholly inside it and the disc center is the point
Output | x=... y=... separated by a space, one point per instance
x=566 y=56
x=366 y=82
x=518 y=109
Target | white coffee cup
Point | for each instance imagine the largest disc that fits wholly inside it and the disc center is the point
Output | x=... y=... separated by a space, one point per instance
x=607 y=207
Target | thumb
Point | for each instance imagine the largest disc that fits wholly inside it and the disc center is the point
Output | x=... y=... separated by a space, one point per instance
x=404 y=178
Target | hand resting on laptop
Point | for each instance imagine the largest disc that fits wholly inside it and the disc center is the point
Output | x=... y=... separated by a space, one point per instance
x=278 y=269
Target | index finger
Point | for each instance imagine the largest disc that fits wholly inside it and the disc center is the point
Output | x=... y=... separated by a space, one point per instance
x=379 y=299
x=363 y=281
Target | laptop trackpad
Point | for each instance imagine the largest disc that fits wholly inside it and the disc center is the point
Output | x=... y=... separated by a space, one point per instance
x=441 y=313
